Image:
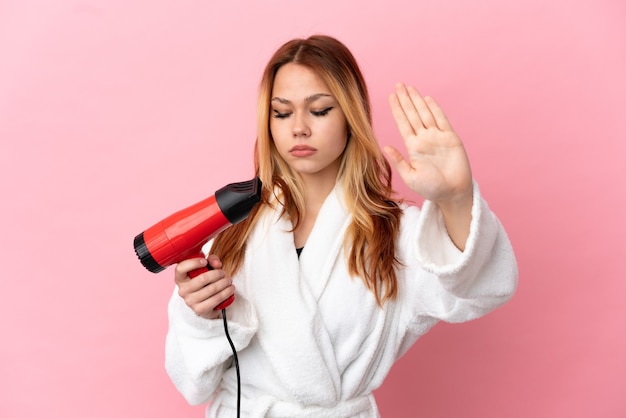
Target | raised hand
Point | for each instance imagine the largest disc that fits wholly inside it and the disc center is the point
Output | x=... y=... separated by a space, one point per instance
x=437 y=167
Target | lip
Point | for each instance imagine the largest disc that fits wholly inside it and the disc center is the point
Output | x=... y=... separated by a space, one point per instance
x=302 y=151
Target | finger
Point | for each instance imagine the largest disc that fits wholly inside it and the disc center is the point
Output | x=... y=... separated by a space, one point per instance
x=396 y=158
x=185 y=266
x=425 y=114
x=402 y=122
x=206 y=307
x=207 y=290
x=440 y=117
x=214 y=261
x=408 y=106
x=203 y=286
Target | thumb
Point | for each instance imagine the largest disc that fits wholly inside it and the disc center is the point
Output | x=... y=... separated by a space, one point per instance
x=214 y=262
x=398 y=161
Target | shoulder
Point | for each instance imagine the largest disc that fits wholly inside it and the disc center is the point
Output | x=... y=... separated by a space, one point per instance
x=410 y=214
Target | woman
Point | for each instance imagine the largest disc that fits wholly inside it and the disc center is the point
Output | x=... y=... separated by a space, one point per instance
x=334 y=278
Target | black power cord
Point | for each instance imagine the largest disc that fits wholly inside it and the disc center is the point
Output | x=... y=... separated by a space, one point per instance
x=236 y=359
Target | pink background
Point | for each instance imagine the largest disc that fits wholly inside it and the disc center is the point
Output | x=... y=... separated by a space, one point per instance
x=114 y=114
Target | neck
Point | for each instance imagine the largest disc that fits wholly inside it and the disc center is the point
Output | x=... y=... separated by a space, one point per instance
x=316 y=190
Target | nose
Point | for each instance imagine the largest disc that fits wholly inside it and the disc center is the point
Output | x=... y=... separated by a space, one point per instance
x=300 y=126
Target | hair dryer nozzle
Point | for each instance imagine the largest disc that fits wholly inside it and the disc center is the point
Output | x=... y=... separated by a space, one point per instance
x=236 y=200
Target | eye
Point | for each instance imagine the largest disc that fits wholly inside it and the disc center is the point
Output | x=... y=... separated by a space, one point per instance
x=279 y=115
x=322 y=112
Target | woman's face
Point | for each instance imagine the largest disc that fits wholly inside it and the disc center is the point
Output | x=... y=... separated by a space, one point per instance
x=308 y=127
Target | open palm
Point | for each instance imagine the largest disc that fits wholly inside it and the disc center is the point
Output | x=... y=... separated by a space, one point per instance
x=437 y=167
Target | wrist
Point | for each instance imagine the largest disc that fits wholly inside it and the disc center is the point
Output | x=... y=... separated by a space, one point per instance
x=457 y=216
x=459 y=203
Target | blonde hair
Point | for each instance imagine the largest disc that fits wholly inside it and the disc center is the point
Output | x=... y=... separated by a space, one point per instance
x=364 y=174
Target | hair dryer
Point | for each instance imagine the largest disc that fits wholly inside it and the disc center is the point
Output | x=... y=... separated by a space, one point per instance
x=182 y=235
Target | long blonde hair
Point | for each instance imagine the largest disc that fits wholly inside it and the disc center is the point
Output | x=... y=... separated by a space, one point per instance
x=364 y=174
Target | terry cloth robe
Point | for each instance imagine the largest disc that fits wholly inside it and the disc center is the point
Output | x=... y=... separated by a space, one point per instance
x=311 y=340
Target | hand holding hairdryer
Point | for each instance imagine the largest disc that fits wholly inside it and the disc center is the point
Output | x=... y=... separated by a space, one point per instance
x=182 y=235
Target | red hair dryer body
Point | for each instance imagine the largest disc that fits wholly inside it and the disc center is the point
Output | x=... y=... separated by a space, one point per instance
x=182 y=235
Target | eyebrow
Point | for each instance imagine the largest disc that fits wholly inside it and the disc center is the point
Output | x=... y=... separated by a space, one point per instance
x=308 y=99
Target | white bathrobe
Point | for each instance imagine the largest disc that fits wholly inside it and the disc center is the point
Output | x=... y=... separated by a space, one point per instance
x=311 y=340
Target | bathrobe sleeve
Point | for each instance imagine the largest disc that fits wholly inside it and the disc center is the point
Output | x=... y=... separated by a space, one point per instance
x=197 y=352
x=459 y=285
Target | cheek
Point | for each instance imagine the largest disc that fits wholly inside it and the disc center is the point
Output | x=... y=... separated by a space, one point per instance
x=276 y=134
x=340 y=146
x=280 y=145
x=339 y=133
